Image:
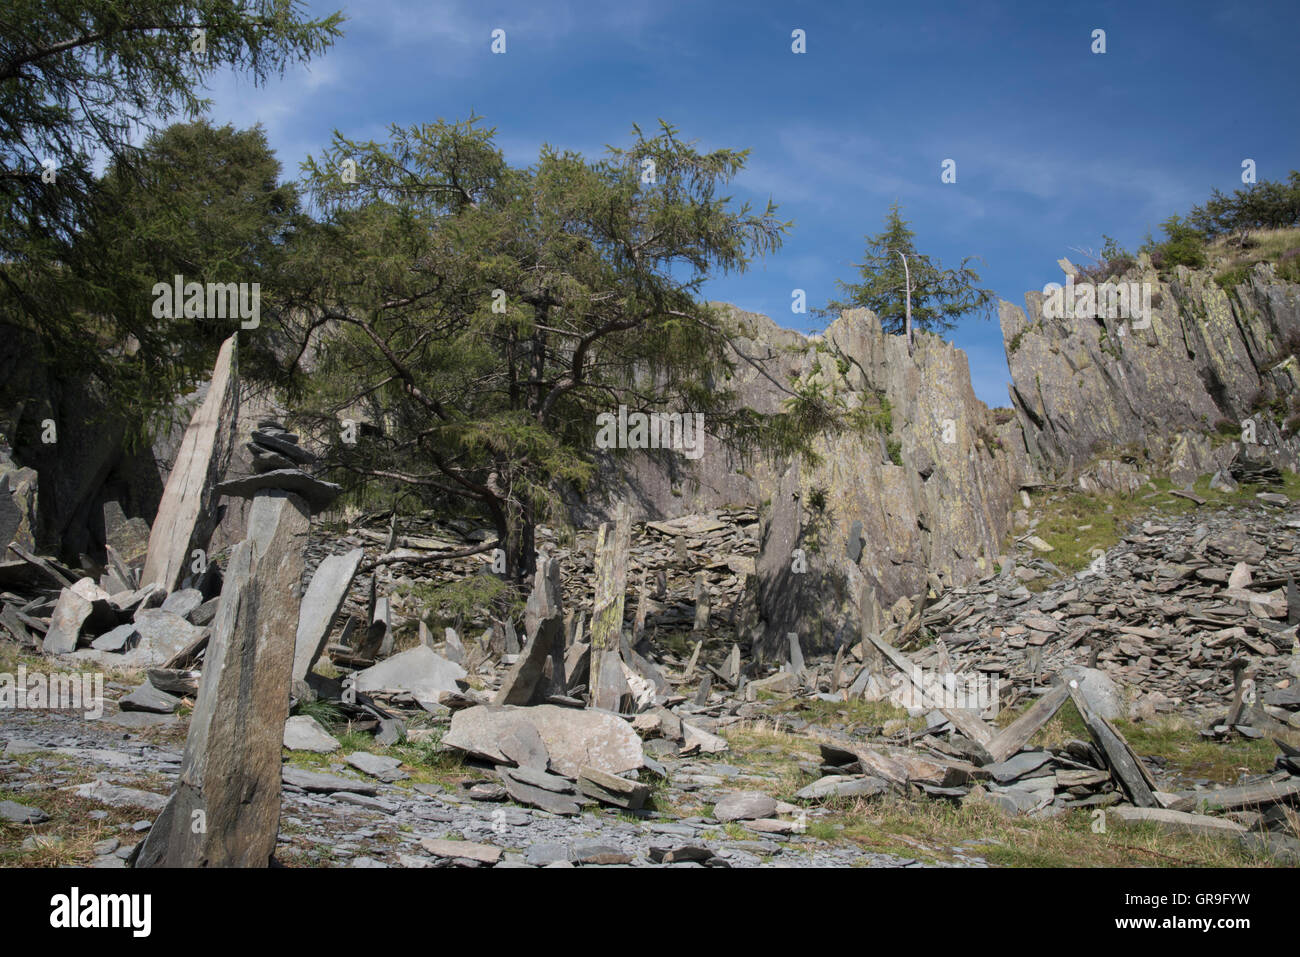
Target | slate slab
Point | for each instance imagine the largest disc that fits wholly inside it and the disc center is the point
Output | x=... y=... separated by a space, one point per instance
x=304 y=733
x=573 y=738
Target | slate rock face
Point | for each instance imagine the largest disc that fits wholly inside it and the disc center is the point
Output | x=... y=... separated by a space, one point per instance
x=231 y=769
x=944 y=510
x=1082 y=387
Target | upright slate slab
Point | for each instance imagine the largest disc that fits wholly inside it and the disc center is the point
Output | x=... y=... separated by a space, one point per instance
x=540 y=670
x=607 y=611
x=225 y=811
x=324 y=597
x=187 y=513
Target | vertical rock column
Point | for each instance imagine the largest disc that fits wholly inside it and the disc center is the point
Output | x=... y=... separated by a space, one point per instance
x=607 y=680
x=187 y=513
x=225 y=811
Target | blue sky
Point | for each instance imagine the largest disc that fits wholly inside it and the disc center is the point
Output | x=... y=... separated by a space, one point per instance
x=1054 y=145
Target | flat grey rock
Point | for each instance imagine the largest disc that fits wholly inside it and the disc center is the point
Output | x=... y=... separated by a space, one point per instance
x=745 y=806
x=1018 y=765
x=421 y=672
x=527 y=793
x=377 y=766
x=596 y=852
x=183 y=602
x=612 y=789
x=540 y=855
x=16 y=813
x=140 y=720
x=304 y=733
x=835 y=785
x=324 y=783
x=317 y=493
x=148 y=698
x=122 y=638
x=574 y=739
x=115 y=796
x=363 y=800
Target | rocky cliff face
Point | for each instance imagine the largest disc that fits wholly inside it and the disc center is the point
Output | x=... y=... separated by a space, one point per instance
x=926 y=491
x=664 y=484
x=1089 y=389
x=926 y=494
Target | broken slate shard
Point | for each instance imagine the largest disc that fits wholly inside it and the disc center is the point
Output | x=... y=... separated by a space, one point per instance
x=324 y=597
x=187 y=513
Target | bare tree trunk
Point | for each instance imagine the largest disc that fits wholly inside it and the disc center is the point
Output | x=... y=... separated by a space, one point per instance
x=908 y=302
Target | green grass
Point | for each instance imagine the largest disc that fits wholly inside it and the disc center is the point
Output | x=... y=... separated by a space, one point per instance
x=932 y=830
x=1191 y=756
x=1075 y=523
x=423 y=760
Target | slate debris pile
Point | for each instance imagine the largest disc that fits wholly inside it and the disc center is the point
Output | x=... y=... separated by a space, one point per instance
x=1184 y=611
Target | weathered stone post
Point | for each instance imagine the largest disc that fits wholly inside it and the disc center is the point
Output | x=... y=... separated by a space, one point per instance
x=225 y=810
x=607 y=681
x=187 y=513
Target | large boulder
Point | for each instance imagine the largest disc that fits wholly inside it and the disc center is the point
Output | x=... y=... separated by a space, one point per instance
x=574 y=738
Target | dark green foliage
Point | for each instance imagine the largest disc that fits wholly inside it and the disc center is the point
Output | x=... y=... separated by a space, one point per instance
x=1230 y=279
x=483 y=316
x=473 y=597
x=940 y=296
x=1263 y=205
x=1184 y=245
x=79 y=78
x=201 y=202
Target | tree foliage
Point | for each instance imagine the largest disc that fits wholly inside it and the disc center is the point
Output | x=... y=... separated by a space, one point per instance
x=483 y=315
x=79 y=80
x=940 y=297
x=1263 y=205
